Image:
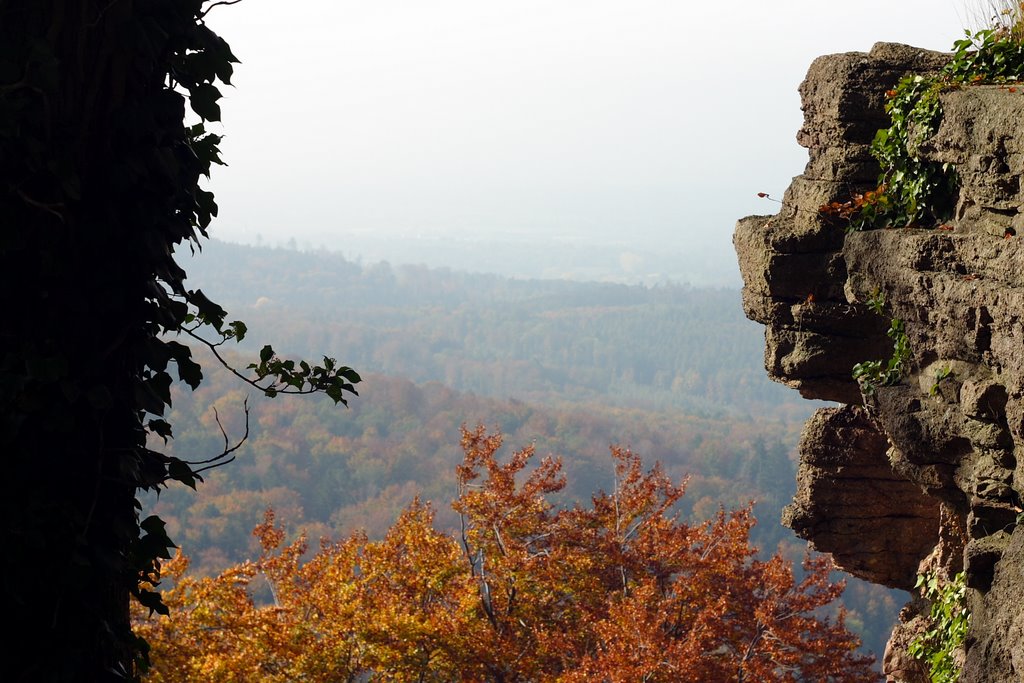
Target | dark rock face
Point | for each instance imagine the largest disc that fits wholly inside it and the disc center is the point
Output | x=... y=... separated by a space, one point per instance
x=845 y=497
x=1000 y=657
x=924 y=475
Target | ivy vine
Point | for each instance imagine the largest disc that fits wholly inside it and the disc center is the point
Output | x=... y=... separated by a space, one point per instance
x=912 y=191
x=100 y=183
x=882 y=373
x=949 y=620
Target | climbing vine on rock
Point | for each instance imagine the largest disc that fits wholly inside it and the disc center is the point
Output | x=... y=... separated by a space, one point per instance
x=941 y=643
x=913 y=191
x=882 y=373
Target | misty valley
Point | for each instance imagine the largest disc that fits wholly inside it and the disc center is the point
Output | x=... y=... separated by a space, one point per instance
x=671 y=372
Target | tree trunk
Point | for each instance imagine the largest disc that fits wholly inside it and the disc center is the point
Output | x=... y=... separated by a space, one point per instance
x=86 y=194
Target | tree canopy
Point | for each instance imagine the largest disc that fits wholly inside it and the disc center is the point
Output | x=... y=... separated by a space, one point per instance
x=618 y=590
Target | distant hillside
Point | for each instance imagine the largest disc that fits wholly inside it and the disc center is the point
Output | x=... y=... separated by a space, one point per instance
x=333 y=470
x=665 y=347
x=673 y=372
x=539 y=255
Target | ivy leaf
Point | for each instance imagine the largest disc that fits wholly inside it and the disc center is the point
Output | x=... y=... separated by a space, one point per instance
x=189 y=371
x=210 y=312
x=203 y=98
x=152 y=601
x=178 y=470
x=238 y=330
x=266 y=353
x=161 y=428
x=153 y=393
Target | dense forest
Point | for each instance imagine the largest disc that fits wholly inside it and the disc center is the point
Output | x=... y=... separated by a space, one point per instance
x=671 y=372
x=331 y=471
x=663 y=347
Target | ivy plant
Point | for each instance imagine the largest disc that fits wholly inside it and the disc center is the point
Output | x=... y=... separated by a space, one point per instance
x=912 y=191
x=101 y=185
x=949 y=620
x=881 y=373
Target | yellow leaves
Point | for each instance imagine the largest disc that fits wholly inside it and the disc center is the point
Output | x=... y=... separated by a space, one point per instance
x=270 y=537
x=620 y=590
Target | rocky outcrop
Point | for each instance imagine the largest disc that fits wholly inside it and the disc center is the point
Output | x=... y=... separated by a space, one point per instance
x=844 y=500
x=922 y=475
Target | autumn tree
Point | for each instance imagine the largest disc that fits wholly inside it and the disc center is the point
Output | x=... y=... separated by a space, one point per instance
x=99 y=184
x=618 y=590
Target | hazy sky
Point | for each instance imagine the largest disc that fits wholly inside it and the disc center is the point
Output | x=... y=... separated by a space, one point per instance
x=604 y=120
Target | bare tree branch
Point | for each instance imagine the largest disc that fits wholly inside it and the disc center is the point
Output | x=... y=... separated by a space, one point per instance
x=221 y=2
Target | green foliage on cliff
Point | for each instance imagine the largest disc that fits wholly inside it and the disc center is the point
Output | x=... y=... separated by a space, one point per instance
x=940 y=645
x=913 y=191
x=883 y=373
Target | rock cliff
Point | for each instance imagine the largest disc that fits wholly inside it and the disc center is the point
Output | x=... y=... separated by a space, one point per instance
x=922 y=475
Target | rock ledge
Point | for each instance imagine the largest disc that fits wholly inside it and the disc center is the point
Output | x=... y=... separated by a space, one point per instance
x=922 y=476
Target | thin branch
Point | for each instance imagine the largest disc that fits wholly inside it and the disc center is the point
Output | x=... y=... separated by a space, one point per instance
x=636 y=527
x=622 y=541
x=501 y=543
x=710 y=546
x=218 y=460
x=465 y=542
x=11 y=87
x=48 y=208
x=273 y=589
x=99 y=15
x=485 y=599
x=248 y=380
x=221 y=2
x=750 y=651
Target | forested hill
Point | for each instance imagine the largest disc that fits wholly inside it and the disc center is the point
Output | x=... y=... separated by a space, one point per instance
x=672 y=371
x=663 y=347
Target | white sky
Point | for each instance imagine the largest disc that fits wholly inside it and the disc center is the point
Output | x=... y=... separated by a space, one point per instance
x=605 y=120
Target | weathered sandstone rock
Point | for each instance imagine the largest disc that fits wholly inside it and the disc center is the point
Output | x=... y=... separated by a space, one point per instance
x=844 y=502
x=923 y=475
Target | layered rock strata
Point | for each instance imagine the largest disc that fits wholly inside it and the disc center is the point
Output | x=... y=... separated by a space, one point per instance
x=923 y=475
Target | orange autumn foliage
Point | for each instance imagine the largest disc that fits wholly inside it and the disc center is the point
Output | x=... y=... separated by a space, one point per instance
x=620 y=590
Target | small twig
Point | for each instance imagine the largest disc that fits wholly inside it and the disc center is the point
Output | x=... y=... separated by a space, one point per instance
x=218 y=460
x=99 y=16
x=254 y=383
x=48 y=208
x=465 y=546
x=501 y=543
x=221 y=2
